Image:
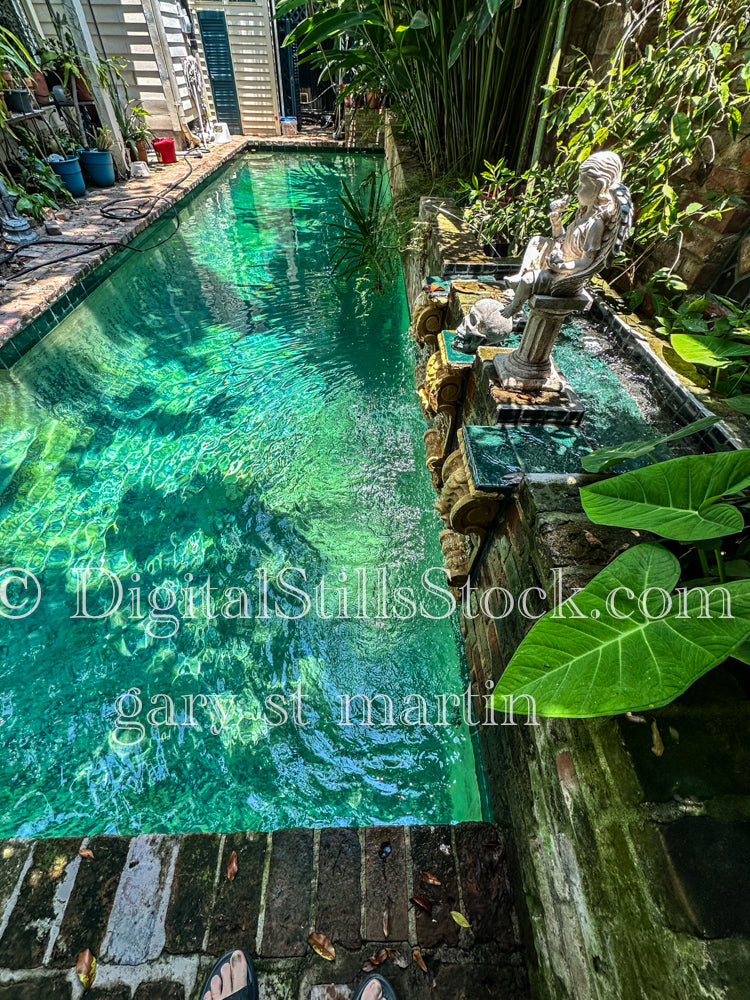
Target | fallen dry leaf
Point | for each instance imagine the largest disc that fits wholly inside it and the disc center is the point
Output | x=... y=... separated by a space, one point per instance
x=422 y=903
x=368 y=966
x=417 y=956
x=322 y=945
x=593 y=540
x=86 y=853
x=387 y=917
x=460 y=919
x=657 y=743
x=232 y=866
x=430 y=879
x=401 y=961
x=86 y=969
x=379 y=957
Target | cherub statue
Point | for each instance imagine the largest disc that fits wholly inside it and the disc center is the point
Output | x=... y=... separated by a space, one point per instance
x=560 y=265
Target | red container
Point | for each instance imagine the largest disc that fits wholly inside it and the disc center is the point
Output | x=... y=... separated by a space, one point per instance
x=164 y=149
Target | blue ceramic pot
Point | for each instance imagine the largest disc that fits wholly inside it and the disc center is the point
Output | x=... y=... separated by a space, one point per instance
x=98 y=166
x=70 y=171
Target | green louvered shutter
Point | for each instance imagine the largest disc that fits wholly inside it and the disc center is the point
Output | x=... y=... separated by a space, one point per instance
x=213 y=27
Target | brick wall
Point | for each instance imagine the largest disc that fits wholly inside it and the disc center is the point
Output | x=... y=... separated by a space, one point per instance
x=596 y=27
x=634 y=868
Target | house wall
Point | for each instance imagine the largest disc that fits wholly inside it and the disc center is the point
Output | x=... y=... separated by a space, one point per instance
x=129 y=29
x=250 y=41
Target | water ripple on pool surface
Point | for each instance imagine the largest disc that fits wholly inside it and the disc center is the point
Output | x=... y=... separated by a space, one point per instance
x=216 y=406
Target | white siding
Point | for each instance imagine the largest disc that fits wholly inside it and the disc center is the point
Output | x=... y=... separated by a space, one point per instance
x=124 y=32
x=249 y=30
x=178 y=49
x=121 y=26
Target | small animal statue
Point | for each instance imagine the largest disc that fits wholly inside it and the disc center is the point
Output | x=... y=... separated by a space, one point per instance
x=485 y=326
x=560 y=265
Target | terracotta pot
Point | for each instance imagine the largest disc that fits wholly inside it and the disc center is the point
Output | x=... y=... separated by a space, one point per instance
x=83 y=92
x=39 y=86
x=142 y=150
x=7 y=76
x=373 y=101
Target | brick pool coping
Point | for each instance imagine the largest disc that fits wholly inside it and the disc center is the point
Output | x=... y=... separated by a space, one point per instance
x=157 y=910
x=24 y=299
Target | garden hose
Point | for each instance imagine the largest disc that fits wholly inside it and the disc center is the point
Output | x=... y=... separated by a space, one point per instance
x=142 y=208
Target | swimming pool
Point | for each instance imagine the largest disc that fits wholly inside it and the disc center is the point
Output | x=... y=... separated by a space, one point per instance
x=218 y=412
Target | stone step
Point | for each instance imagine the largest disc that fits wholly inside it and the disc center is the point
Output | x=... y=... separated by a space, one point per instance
x=157 y=910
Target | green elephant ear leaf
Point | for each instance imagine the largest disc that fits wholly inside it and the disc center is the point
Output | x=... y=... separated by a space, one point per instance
x=603 y=458
x=740 y=403
x=712 y=351
x=675 y=499
x=602 y=653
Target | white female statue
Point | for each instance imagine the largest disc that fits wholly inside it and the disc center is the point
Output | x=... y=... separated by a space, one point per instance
x=558 y=266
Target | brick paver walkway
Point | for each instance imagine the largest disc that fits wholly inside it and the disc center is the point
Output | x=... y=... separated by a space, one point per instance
x=156 y=910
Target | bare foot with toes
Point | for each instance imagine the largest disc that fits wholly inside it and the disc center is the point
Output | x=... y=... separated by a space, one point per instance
x=373 y=991
x=232 y=979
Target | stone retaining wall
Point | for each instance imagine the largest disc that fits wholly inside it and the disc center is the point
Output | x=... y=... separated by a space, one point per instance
x=632 y=868
x=635 y=867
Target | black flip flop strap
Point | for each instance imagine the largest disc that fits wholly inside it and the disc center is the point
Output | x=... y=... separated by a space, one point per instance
x=243 y=994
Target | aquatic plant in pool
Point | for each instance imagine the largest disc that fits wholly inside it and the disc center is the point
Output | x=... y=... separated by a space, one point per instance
x=214 y=412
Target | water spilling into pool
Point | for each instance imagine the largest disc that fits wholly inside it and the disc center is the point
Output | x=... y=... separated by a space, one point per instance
x=222 y=408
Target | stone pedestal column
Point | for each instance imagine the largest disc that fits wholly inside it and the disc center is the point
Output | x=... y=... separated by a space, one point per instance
x=530 y=366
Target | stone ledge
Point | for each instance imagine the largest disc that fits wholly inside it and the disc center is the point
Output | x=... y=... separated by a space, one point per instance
x=157 y=910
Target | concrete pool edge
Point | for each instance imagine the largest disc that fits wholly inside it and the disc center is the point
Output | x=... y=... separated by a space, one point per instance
x=156 y=910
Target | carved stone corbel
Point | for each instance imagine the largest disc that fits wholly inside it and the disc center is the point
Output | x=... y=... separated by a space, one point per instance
x=468 y=514
x=433 y=441
x=441 y=396
x=427 y=322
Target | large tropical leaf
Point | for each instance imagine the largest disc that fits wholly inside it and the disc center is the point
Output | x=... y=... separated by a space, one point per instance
x=675 y=499
x=740 y=403
x=712 y=351
x=461 y=36
x=287 y=6
x=601 y=664
x=327 y=25
x=603 y=458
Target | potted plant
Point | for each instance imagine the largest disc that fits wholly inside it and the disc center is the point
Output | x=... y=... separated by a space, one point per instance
x=16 y=95
x=98 y=163
x=135 y=132
x=16 y=63
x=67 y=165
x=39 y=86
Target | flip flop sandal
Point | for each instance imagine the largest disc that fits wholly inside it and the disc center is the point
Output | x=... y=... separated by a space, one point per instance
x=385 y=986
x=249 y=992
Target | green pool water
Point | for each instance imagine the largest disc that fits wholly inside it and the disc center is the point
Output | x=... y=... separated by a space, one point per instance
x=221 y=407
